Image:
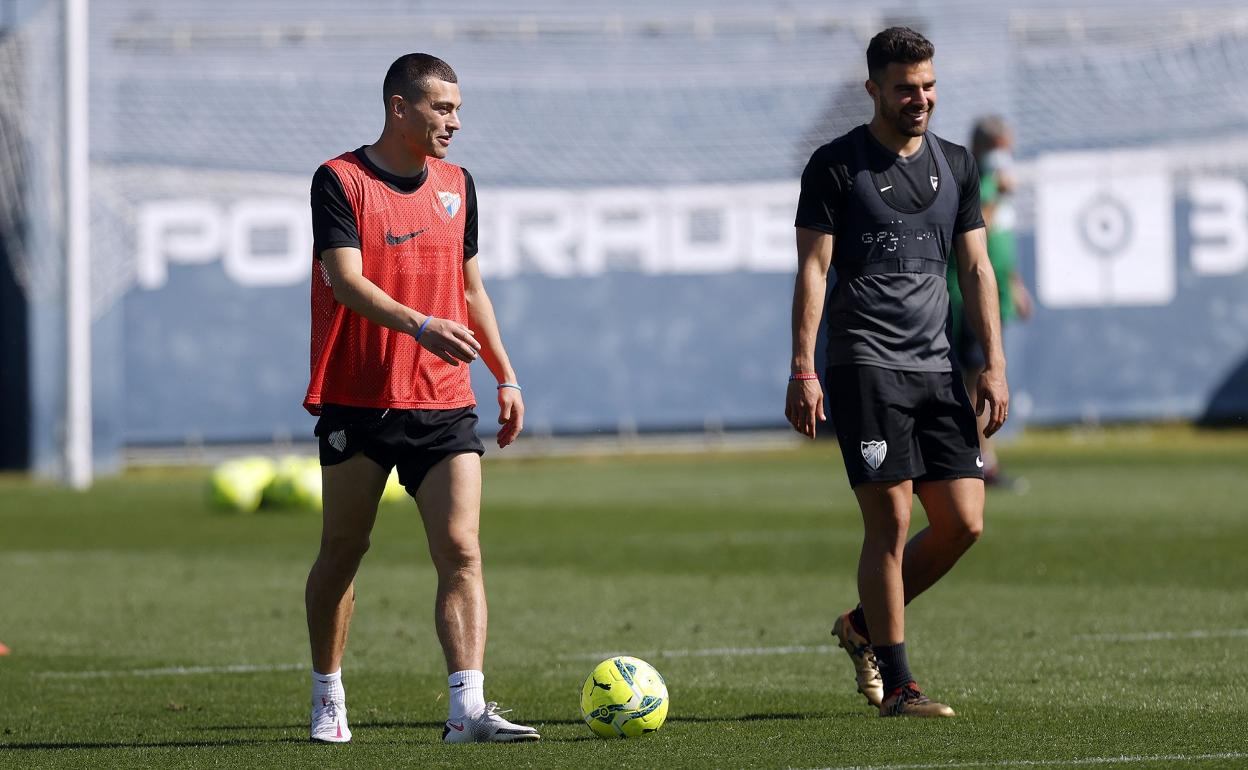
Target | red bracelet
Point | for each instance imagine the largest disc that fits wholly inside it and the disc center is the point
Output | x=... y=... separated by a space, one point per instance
x=803 y=376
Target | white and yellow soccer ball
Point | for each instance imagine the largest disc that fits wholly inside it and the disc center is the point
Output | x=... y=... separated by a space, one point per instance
x=296 y=484
x=237 y=485
x=624 y=698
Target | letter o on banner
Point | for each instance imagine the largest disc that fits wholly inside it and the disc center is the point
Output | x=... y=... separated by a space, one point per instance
x=283 y=267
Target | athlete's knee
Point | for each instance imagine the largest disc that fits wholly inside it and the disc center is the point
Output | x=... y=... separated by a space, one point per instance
x=884 y=544
x=888 y=527
x=975 y=530
x=458 y=552
x=345 y=549
x=966 y=532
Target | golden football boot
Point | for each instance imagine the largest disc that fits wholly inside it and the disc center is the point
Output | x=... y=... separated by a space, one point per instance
x=909 y=701
x=866 y=670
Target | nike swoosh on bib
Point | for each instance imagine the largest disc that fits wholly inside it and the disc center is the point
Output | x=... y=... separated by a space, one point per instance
x=395 y=240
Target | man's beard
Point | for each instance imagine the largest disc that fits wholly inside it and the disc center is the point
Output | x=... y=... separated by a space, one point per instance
x=903 y=124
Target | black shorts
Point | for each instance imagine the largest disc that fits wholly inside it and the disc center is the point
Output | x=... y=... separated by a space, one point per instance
x=895 y=425
x=414 y=440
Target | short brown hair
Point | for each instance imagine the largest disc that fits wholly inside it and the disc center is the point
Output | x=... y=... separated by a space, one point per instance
x=406 y=77
x=896 y=45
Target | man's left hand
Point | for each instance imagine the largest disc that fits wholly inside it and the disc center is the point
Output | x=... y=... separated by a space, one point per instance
x=510 y=415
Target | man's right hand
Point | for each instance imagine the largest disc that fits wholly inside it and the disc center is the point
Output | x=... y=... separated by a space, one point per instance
x=452 y=342
x=803 y=405
x=992 y=392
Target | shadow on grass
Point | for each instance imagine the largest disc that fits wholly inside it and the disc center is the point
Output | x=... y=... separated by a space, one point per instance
x=699 y=720
x=387 y=724
x=404 y=724
x=140 y=745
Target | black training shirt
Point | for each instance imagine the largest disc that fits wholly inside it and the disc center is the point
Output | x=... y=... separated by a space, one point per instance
x=894 y=220
x=827 y=180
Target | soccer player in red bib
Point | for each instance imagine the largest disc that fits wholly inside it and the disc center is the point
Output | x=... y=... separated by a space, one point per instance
x=398 y=313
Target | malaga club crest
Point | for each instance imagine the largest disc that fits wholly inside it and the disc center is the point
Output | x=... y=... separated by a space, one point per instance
x=873 y=452
x=450 y=202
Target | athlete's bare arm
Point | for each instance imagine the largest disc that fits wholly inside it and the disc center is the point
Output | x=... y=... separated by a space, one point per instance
x=804 y=400
x=979 y=289
x=485 y=325
x=450 y=341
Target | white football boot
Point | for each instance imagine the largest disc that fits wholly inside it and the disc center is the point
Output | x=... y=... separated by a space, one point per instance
x=487 y=727
x=329 y=722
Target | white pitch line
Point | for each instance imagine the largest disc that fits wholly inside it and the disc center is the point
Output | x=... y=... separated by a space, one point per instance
x=173 y=671
x=1162 y=636
x=729 y=652
x=1120 y=760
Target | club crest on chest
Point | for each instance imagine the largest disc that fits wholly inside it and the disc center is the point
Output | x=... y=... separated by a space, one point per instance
x=450 y=202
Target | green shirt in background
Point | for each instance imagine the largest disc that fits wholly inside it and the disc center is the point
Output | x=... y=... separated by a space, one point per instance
x=1001 y=253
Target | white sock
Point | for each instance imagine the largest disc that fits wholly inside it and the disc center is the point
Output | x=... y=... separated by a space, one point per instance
x=327 y=687
x=467 y=693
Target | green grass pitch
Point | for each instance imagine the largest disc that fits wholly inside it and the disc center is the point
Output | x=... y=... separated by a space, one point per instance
x=1101 y=621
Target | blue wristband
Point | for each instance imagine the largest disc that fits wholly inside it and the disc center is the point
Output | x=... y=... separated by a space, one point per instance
x=512 y=385
x=421 y=330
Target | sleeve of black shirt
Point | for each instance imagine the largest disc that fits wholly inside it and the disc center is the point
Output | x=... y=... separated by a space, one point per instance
x=966 y=171
x=470 y=216
x=333 y=221
x=823 y=193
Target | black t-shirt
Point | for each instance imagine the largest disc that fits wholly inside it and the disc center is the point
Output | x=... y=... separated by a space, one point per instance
x=903 y=182
x=889 y=305
x=334 y=224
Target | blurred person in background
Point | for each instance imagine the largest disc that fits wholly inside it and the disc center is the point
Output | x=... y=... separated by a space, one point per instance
x=398 y=311
x=890 y=204
x=992 y=145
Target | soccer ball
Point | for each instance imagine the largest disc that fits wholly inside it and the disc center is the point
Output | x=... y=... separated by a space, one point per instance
x=237 y=485
x=296 y=484
x=624 y=698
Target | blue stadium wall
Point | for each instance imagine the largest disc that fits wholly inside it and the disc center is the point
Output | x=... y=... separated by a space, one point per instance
x=679 y=319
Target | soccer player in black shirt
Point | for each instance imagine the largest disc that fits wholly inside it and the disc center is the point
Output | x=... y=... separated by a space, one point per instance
x=886 y=205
